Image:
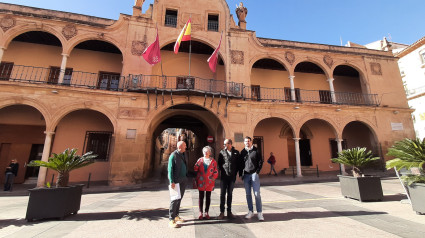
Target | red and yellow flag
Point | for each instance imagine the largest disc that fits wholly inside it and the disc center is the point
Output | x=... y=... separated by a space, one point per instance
x=184 y=35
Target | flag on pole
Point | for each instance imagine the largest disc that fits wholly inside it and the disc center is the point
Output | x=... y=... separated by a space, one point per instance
x=184 y=35
x=152 y=54
x=212 y=60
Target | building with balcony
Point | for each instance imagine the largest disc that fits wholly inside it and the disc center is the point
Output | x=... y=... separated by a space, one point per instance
x=75 y=81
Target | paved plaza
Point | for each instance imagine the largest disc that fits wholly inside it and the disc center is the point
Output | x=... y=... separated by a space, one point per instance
x=300 y=207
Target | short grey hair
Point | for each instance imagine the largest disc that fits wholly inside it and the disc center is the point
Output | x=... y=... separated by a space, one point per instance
x=206 y=148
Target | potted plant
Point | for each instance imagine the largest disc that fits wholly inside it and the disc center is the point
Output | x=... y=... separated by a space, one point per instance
x=358 y=186
x=63 y=200
x=410 y=154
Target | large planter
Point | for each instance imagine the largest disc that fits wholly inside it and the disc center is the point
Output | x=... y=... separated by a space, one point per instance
x=367 y=188
x=417 y=196
x=53 y=202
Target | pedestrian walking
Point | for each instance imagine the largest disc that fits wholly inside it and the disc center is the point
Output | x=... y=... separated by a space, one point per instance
x=272 y=162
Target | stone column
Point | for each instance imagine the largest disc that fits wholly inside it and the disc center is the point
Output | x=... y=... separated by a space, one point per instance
x=291 y=80
x=331 y=88
x=46 y=152
x=297 y=156
x=339 y=144
x=63 y=68
x=1 y=53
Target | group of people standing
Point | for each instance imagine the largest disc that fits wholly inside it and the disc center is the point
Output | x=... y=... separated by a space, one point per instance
x=247 y=164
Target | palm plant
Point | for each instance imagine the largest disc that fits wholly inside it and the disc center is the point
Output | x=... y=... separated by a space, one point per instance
x=355 y=157
x=408 y=154
x=64 y=163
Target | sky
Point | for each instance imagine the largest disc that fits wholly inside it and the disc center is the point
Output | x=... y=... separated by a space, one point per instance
x=316 y=21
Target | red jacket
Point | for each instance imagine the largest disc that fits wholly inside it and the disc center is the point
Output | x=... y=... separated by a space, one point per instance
x=205 y=180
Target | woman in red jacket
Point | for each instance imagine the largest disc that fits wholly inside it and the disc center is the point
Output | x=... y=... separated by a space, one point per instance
x=207 y=173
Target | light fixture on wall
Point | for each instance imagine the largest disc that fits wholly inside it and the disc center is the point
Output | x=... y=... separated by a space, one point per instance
x=238 y=105
x=296 y=107
x=133 y=98
x=54 y=91
x=396 y=112
x=338 y=109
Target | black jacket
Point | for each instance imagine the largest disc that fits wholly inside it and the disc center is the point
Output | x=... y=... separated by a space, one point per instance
x=13 y=168
x=252 y=161
x=228 y=165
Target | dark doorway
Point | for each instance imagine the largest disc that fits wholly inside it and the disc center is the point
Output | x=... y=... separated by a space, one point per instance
x=36 y=154
x=258 y=142
x=334 y=147
x=305 y=153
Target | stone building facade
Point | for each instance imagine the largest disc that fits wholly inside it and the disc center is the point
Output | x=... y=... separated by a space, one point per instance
x=76 y=81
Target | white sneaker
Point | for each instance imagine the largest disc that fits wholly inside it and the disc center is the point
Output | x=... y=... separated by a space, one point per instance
x=249 y=215
x=260 y=216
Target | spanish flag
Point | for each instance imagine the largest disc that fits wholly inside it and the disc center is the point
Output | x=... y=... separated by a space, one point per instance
x=184 y=35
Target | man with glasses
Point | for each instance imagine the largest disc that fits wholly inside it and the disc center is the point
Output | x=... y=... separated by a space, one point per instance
x=228 y=162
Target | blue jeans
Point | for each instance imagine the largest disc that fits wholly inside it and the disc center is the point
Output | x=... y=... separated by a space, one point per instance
x=253 y=180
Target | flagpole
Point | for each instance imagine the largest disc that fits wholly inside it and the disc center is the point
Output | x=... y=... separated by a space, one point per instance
x=162 y=72
x=190 y=43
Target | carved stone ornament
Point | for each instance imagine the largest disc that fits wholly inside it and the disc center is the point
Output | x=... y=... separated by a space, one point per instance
x=137 y=47
x=7 y=22
x=290 y=57
x=328 y=61
x=375 y=68
x=237 y=57
x=69 y=31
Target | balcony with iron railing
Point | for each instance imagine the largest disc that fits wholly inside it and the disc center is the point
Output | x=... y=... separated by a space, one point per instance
x=188 y=85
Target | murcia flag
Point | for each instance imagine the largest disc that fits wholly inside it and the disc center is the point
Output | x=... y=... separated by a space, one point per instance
x=152 y=54
x=212 y=60
x=184 y=35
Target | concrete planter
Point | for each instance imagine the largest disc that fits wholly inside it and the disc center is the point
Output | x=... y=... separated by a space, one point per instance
x=361 y=188
x=417 y=195
x=53 y=202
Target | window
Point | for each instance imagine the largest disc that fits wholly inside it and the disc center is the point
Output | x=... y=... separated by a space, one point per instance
x=255 y=92
x=98 y=142
x=288 y=94
x=5 y=70
x=212 y=22
x=108 y=81
x=422 y=54
x=171 y=18
x=54 y=75
x=325 y=96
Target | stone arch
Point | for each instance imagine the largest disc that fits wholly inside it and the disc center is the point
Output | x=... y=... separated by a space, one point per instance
x=33 y=103
x=81 y=106
x=261 y=116
x=258 y=57
x=92 y=36
x=14 y=32
x=367 y=123
x=314 y=61
x=360 y=70
x=326 y=119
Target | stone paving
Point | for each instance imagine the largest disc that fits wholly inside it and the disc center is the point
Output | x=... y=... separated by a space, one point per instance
x=291 y=209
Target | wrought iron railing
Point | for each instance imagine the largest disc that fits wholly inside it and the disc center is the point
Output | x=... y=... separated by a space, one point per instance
x=181 y=84
x=171 y=20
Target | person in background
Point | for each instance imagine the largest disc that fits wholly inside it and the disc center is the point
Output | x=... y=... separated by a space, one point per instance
x=177 y=173
x=207 y=173
x=272 y=162
x=228 y=162
x=251 y=164
x=11 y=173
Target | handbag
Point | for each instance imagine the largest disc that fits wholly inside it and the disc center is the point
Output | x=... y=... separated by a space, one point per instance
x=194 y=183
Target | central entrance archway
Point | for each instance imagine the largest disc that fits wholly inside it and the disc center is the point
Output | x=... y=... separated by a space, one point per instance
x=188 y=122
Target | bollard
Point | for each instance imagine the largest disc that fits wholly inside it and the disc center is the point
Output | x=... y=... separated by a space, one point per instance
x=88 y=181
x=53 y=178
x=317 y=170
x=293 y=172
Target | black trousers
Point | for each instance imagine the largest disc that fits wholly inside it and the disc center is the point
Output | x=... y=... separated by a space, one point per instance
x=207 y=200
x=175 y=204
x=226 y=186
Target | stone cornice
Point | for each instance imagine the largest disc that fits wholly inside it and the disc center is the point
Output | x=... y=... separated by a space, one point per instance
x=411 y=48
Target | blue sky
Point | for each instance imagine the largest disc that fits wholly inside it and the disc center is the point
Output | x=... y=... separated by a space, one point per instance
x=315 y=21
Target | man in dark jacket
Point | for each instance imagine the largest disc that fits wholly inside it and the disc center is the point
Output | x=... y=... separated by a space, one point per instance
x=252 y=162
x=177 y=173
x=228 y=163
x=11 y=173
